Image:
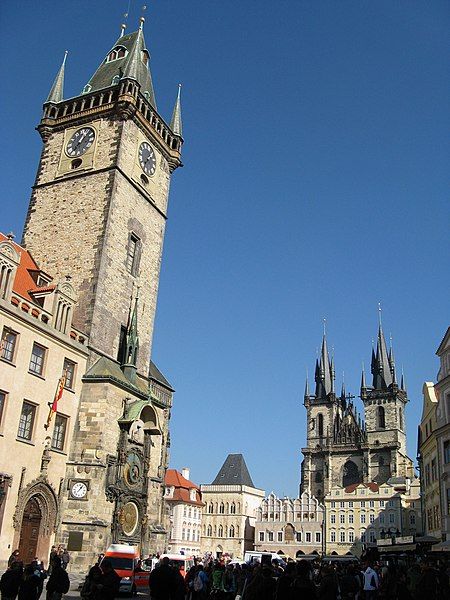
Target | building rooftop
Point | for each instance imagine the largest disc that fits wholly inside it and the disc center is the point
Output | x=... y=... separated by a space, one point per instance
x=234 y=471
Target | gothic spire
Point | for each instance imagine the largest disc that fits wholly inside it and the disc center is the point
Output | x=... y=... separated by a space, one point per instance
x=129 y=366
x=392 y=361
x=307 y=387
x=175 y=123
x=381 y=368
x=129 y=58
x=323 y=372
x=363 y=379
x=57 y=90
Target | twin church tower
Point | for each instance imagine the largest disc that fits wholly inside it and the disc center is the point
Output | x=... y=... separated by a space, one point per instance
x=97 y=217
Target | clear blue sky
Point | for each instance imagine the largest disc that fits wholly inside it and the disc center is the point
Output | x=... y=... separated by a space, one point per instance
x=315 y=184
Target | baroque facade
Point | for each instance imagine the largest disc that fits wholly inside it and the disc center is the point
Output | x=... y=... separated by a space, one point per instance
x=184 y=504
x=434 y=449
x=290 y=527
x=344 y=450
x=97 y=216
x=229 y=515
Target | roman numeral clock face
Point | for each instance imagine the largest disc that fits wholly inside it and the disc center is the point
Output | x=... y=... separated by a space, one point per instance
x=80 y=141
x=147 y=158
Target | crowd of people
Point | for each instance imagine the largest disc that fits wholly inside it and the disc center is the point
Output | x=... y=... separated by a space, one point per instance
x=215 y=580
x=300 y=580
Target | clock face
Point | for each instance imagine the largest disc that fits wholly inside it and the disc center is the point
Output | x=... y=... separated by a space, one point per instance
x=79 y=490
x=80 y=141
x=133 y=468
x=147 y=158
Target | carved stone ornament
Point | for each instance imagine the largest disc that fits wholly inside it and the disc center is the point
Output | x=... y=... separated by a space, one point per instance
x=129 y=518
x=46 y=497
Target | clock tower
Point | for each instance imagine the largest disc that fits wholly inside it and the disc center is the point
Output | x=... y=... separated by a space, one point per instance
x=97 y=214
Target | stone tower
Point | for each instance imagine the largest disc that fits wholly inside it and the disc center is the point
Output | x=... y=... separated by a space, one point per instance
x=97 y=214
x=384 y=406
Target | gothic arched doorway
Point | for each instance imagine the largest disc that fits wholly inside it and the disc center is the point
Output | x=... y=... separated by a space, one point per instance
x=29 y=531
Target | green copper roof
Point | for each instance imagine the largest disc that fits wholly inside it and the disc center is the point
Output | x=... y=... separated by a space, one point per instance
x=135 y=65
x=57 y=90
x=175 y=123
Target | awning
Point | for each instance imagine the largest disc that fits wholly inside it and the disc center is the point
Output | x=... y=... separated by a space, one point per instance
x=441 y=547
x=397 y=548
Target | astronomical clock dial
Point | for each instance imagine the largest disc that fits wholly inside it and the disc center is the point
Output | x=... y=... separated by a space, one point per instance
x=80 y=141
x=147 y=158
x=133 y=469
x=78 y=490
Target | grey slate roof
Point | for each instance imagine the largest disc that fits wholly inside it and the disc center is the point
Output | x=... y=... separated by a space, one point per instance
x=175 y=123
x=156 y=374
x=131 y=65
x=234 y=472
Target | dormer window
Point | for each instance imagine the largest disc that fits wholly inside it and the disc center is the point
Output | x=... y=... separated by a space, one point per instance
x=116 y=53
x=145 y=57
x=87 y=88
x=115 y=80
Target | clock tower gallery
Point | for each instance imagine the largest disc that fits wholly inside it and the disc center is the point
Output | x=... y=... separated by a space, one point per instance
x=97 y=214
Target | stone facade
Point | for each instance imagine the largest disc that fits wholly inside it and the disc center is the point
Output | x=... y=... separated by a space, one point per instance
x=229 y=515
x=97 y=215
x=183 y=501
x=291 y=527
x=361 y=514
x=33 y=458
x=434 y=448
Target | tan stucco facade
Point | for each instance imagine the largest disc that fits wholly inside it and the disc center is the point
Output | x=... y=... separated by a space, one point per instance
x=228 y=519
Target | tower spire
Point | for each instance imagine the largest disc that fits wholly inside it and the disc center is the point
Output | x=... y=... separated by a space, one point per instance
x=57 y=90
x=129 y=365
x=175 y=123
x=324 y=384
x=381 y=367
x=392 y=360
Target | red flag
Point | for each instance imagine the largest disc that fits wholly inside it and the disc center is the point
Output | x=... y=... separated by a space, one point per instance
x=56 y=399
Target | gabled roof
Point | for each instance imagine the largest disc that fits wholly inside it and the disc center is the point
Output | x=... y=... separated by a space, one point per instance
x=372 y=486
x=234 y=471
x=24 y=283
x=183 y=488
x=445 y=342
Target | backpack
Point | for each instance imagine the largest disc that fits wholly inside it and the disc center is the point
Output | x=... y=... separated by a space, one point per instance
x=198 y=583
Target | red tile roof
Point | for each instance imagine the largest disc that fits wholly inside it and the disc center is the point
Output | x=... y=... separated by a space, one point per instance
x=373 y=487
x=183 y=487
x=23 y=281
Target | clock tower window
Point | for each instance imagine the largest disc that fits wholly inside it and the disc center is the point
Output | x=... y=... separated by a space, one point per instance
x=133 y=254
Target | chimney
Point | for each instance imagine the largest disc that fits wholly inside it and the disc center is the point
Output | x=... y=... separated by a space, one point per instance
x=185 y=472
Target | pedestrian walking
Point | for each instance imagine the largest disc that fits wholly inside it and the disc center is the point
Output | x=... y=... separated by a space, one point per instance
x=29 y=586
x=10 y=581
x=58 y=583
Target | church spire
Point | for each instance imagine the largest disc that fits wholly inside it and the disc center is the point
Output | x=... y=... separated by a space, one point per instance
x=129 y=365
x=57 y=90
x=175 y=123
x=381 y=366
x=323 y=372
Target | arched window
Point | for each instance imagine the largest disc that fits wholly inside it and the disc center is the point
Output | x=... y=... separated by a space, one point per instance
x=231 y=532
x=117 y=52
x=222 y=508
x=211 y=508
x=220 y=533
x=320 y=424
x=350 y=474
x=209 y=531
x=233 y=508
x=381 y=417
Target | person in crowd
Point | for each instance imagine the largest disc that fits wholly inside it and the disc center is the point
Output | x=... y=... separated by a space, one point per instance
x=229 y=583
x=13 y=558
x=262 y=585
x=428 y=584
x=189 y=581
x=93 y=578
x=285 y=581
x=162 y=580
x=108 y=585
x=58 y=583
x=10 y=581
x=217 y=579
x=29 y=586
x=200 y=583
x=371 y=582
x=65 y=558
x=40 y=573
x=350 y=583
x=53 y=554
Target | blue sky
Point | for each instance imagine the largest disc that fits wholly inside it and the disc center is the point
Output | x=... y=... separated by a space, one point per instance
x=315 y=185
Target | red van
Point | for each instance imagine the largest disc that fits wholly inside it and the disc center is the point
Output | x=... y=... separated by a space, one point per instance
x=124 y=560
